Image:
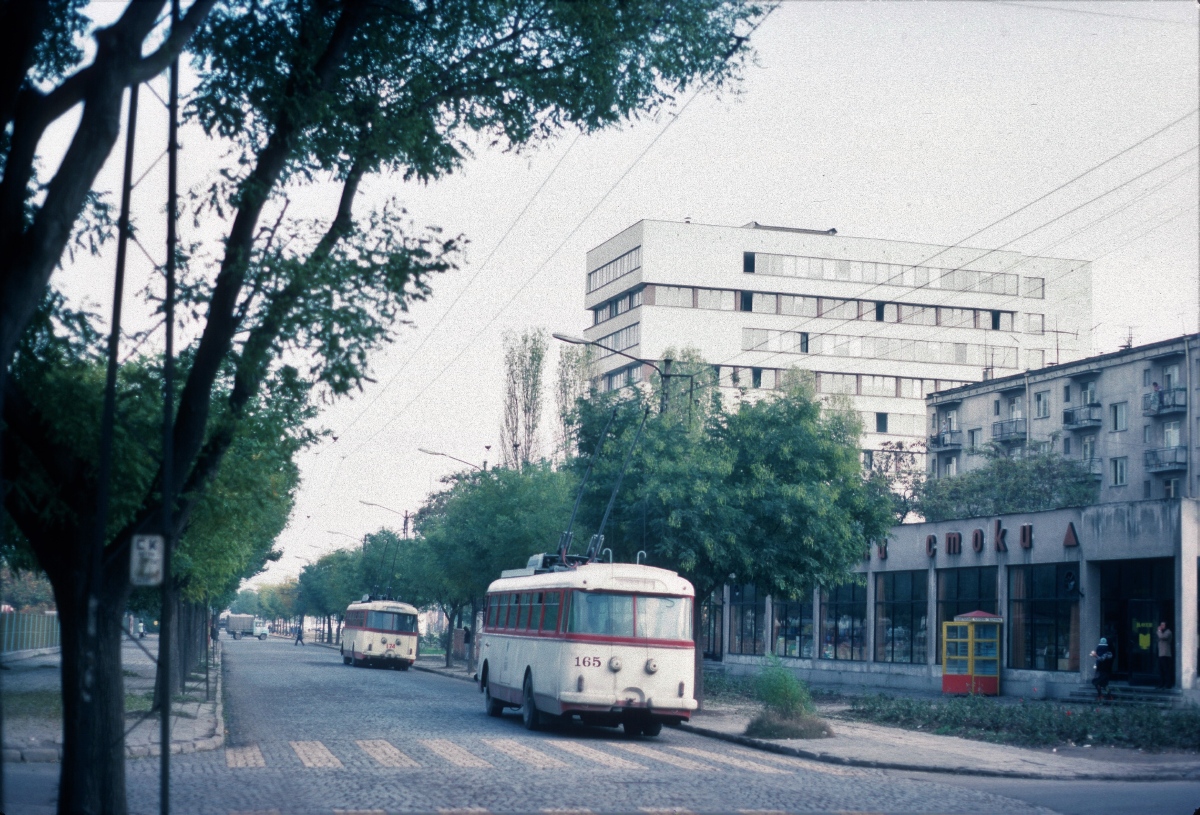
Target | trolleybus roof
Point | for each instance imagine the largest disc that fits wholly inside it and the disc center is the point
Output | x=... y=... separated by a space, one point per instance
x=597 y=577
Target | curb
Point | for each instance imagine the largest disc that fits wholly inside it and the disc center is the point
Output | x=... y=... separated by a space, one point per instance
x=443 y=672
x=53 y=755
x=28 y=653
x=827 y=758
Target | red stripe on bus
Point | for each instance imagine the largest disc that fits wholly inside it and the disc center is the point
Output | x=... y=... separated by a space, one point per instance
x=379 y=631
x=593 y=638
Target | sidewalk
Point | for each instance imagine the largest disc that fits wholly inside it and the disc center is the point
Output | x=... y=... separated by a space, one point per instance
x=36 y=736
x=861 y=744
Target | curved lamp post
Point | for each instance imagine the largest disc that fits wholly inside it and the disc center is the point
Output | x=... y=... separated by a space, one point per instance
x=447 y=455
x=664 y=371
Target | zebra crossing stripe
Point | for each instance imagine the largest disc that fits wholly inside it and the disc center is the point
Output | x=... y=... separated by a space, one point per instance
x=596 y=756
x=360 y=812
x=666 y=810
x=248 y=756
x=525 y=754
x=740 y=763
x=385 y=753
x=455 y=755
x=802 y=764
x=463 y=811
x=315 y=754
x=658 y=755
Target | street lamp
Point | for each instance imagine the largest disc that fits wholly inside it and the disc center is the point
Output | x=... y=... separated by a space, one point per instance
x=404 y=514
x=455 y=458
x=360 y=541
x=664 y=371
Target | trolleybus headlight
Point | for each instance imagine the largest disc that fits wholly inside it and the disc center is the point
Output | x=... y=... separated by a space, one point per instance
x=579 y=684
x=614 y=664
x=651 y=666
x=383 y=640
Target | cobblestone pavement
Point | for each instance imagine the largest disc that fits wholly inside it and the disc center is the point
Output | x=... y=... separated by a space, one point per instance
x=307 y=734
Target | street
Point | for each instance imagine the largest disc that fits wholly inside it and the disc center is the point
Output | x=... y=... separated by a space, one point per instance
x=307 y=734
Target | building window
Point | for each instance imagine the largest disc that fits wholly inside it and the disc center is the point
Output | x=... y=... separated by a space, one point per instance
x=1120 y=470
x=1067 y=394
x=1066 y=445
x=715 y=299
x=748 y=262
x=1171 y=436
x=803 y=342
x=793 y=628
x=1146 y=490
x=1035 y=358
x=756 y=378
x=843 y=622
x=879 y=312
x=1035 y=287
x=1119 y=413
x=1035 y=324
x=1171 y=488
x=995 y=407
x=763 y=304
x=1146 y=434
x=1041 y=405
x=901 y=614
x=1087 y=394
x=626 y=263
x=746 y=301
x=747 y=608
x=881 y=423
x=973 y=438
x=674 y=296
x=622 y=340
x=1145 y=377
x=1043 y=615
x=960 y=591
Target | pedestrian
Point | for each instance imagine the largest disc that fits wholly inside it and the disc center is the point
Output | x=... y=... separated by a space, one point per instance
x=1103 y=668
x=300 y=634
x=141 y=630
x=1166 y=676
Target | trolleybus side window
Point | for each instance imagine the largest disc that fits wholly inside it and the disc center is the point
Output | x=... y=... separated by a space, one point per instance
x=493 y=610
x=510 y=611
x=550 y=617
x=664 y=618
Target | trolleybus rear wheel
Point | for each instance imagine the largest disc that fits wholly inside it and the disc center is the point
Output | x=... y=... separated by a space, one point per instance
x=651 y=729
x=491 y=704
x=631 y=728
x=530 y=716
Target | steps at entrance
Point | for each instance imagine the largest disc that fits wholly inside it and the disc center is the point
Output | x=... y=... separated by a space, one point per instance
x=1129 y=695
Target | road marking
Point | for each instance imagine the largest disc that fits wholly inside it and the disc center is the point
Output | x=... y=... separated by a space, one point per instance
x=596 y=756
x=456 y=756
x=658 y=755
x=315 y=754
x=566 y=811
x=463 y=810
x=740 y=763
x=248 y=756
x=386 y=754
x=255 y=812
x=806 y=764
x=524 y=753
x=360 y=812
x=674 y=810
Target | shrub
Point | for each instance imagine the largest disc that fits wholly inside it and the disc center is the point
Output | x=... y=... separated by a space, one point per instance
x=770 y=725
x=781 y=692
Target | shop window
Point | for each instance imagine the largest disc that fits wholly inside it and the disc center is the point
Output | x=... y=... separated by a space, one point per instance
x=1043 y=617
x=901 y=616
x=793 y=628
x=747 y=609
x=843 y=622
x=960 y=591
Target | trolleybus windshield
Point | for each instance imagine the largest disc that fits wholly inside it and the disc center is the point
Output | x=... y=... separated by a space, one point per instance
x=631 y=615
x=391 y=621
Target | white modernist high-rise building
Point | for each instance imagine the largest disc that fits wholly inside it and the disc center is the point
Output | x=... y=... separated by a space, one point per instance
x=885 y=322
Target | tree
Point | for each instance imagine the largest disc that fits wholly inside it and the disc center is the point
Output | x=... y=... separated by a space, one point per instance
x=329 y=88
x=900 y=468
x=1008 y=484
x=572 y=381
x=246 y=602
x=524 y=364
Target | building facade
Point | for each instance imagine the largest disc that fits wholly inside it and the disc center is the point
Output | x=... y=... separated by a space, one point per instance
x=1059 y=579
x=1131 y=417
x=884 y=322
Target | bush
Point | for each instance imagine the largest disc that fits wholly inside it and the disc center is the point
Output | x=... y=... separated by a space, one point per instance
x=770 y=725
x=1038 y=724
x=781 y=692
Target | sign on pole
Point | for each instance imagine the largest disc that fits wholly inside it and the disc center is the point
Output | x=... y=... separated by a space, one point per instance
x=146 y=560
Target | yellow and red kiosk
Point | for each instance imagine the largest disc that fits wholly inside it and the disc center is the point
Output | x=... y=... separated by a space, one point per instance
x=971 y=654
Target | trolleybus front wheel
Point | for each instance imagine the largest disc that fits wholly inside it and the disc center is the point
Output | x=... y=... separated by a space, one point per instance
x=530 y=716
x=652 y=728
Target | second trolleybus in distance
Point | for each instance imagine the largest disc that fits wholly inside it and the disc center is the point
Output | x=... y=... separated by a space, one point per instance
x=609 y=643
x=380 y=633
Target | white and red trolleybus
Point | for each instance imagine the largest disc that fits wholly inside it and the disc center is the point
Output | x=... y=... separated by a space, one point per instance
x=610 y=643
x=380 y=633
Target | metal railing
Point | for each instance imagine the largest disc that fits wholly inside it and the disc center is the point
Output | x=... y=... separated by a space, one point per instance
x=1172 y=400
x=26 y=632
x=950 y=438
x=1166 y=458
x=1009 y=430
x=1084 y=416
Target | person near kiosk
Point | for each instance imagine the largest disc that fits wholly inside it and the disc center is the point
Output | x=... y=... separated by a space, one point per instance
x=1103 y=667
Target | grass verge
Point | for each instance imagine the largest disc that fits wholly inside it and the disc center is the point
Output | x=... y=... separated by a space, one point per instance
x=1037 y=724
x=771 y=725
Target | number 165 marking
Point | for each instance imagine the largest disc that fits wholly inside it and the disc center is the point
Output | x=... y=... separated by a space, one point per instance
x=587 y=662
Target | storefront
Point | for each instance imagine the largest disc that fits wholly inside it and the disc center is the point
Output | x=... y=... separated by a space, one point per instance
x=1060 y=580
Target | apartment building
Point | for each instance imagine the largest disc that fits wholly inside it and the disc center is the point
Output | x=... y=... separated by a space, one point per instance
x=1126 y=416
x=885 y=322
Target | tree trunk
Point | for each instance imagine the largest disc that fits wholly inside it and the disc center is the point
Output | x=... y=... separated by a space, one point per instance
x=698 y=637
x=92 y=775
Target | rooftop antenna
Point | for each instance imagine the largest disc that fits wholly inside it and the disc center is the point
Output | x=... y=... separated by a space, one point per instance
x=1128 y=340
x=598 y=539
x=564 y=541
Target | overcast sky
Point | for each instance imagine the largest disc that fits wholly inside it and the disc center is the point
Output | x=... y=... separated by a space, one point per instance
x=906 y=121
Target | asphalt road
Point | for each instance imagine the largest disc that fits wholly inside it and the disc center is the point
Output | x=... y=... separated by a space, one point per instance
x=308 y=734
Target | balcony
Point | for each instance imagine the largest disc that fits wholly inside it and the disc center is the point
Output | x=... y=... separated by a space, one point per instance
x=949 y=440
x=1094 y=467
x=1166 y=459
x=1164 y=402
x=1083 y=418
x=1009 y=431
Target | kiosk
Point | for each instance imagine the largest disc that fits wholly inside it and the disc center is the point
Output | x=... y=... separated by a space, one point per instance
x=971 y=654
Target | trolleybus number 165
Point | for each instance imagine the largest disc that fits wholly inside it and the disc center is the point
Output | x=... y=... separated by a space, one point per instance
x=587 y=662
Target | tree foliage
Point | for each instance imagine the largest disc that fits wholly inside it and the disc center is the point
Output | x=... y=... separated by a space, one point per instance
x=524 y=367
x=1008 y=484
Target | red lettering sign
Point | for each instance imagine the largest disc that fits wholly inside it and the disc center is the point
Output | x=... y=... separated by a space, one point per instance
x=977 y=540
x=953 y=543
x=881 y=549
x=931 y=545
x=1000 y=537
x=1026 y=536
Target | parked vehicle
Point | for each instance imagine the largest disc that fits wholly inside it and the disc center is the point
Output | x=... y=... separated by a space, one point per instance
x=380 y=633
x=246 y=625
